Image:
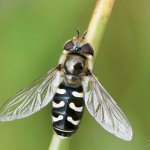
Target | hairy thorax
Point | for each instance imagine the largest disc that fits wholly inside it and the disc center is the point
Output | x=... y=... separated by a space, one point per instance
x=74 y=68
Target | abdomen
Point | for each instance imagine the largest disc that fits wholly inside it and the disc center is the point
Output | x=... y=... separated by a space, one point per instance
x=67 y=109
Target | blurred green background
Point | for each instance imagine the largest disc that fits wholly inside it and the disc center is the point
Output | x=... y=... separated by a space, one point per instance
x=32 y=34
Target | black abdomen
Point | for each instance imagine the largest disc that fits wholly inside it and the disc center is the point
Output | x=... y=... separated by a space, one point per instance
x=67 y=109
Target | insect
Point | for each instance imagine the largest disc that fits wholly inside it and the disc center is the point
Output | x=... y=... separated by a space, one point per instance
x=70 y=87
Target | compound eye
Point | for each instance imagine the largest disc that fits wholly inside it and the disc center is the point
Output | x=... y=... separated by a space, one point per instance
x=68 y=45
x=88 y=49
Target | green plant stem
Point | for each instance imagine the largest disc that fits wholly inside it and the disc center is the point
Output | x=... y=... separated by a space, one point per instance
x=59 y=143
x=98 y=22
x=96 y=28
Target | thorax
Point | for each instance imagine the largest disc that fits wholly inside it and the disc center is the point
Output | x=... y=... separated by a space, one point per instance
x=74 y=68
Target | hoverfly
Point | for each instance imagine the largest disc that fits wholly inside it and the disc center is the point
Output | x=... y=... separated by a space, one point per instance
x=70 y=86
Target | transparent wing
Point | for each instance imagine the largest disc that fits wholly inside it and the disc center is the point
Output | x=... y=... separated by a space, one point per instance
x=105 y=110
x=33 y=98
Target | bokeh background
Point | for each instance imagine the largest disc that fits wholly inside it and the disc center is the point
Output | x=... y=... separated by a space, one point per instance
x=32 y=34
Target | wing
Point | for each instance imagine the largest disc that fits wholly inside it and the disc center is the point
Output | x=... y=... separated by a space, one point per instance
x=33 y=98
x=104 y=109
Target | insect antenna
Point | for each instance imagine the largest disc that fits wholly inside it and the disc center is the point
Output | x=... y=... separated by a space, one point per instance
x=78 y=33
x=84 y=34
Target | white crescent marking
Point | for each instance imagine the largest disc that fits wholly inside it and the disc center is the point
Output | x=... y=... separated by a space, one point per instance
x=55 y=119
x=77 y=94
x=61 y=104
x=61 y=91
x=72 y=121
x=78 y=109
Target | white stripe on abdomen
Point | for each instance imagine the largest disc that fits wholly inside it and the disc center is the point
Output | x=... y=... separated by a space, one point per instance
x=77 y=94
x=78 y=109
x=61 y=104
x=73 y=121
x=55 y=119
x=61 y=91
